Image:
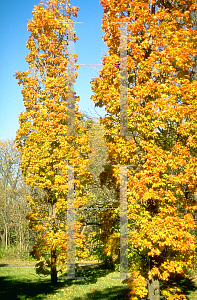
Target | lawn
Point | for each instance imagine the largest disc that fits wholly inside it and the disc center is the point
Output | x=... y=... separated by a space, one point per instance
x=97 y=283
x=22 y=283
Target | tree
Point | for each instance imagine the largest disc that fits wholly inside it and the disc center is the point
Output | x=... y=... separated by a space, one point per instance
x=14 y=230
x=46 y=139
x=9 y=180
x=11 y=196
x=95 y=219
x=161 y=141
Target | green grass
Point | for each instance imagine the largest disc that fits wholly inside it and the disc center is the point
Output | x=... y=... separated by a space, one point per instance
x=23 y=283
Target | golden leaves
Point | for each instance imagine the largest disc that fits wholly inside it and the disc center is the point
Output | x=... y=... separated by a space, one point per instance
x=137 y=285
x=42 y=137
x=161 y=94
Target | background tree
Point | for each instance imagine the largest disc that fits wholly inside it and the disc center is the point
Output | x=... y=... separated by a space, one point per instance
x=161 y=92
x=95 y=220
x=9 y=178
x=44 y=139
x=13 y=206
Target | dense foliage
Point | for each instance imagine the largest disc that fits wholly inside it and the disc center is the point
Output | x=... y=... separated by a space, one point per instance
x=44 y=138
x=161 y=140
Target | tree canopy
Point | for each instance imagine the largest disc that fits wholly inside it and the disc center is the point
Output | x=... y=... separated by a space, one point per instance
x=160 y=143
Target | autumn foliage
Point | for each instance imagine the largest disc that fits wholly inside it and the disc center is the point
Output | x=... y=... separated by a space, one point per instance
x=159 y=149
x=161 y=141
x=43 y=139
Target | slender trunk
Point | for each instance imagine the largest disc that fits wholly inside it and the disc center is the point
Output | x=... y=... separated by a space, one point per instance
x=6 y=237
x=153 y=289
x=27 y=242
x=9 y=237
x=5 y=219
x=53 y=248
x=53 y=267
x=20 y=239
x=2 y=236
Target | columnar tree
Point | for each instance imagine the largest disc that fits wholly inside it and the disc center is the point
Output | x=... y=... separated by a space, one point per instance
x=161 y=141
x=44 y=140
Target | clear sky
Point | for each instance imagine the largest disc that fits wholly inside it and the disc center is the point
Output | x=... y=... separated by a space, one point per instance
x=13 y=36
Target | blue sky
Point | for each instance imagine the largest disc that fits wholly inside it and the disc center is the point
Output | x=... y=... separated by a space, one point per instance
x=13 y=36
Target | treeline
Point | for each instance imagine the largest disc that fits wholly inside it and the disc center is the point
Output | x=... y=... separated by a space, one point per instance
x=14 y=228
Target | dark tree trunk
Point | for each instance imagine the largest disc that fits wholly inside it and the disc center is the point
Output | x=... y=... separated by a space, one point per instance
x=153 y=289
x=109 y=263
x=53 y=249
x=53 y=267
x=6 y=237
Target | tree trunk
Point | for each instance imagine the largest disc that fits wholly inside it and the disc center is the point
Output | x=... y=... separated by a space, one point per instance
x=53 y=248
x=6 y=237
x=9 y=237
x=2 y=236
x=27 y=241
x=153 y=289
x=20 y=238
x=53 y=267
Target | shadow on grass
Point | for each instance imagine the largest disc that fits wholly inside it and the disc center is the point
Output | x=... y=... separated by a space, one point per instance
x=185 y=284
x=13 y=288
x=90 y=273
x=113 y=293
x=3 y=265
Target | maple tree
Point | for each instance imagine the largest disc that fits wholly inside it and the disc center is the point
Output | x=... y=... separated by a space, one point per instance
x=161 y=141
x=45 y=138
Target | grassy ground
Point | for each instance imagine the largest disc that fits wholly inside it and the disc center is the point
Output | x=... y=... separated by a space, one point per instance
x=193 y=295
x=97 y=283
x=16 y=262
x=23 y=283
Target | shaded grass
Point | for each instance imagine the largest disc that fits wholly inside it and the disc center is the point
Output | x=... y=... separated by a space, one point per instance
x=187 y=286
x=23 y=283
x=193 y=296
